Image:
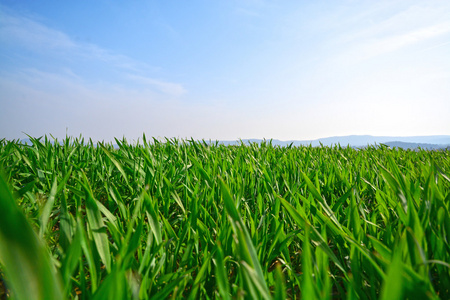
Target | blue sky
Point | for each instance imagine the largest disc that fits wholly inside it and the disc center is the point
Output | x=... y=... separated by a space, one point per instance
x=224 y=69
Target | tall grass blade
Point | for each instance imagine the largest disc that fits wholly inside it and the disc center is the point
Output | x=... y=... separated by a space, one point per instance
x=25 y=259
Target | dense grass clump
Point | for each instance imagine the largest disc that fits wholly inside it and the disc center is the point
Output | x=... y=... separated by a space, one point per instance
x=186 y=219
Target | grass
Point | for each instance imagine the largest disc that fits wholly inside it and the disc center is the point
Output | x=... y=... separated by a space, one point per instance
x=186 y=219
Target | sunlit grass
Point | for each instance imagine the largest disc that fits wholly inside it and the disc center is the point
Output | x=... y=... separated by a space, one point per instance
x=185 y=219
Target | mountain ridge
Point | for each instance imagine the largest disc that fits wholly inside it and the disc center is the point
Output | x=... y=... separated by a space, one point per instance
x=427 y=142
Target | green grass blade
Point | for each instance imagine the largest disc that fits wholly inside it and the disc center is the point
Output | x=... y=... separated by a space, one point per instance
x=24 y=258
x=302 y=223
x=96 y=225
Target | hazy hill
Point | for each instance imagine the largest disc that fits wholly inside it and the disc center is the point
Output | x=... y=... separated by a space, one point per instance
x=417 y=145
x=364 y=140
x=411 y=142
x=426 y=142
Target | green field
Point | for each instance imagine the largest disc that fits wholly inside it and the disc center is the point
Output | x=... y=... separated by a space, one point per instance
x=186 y=219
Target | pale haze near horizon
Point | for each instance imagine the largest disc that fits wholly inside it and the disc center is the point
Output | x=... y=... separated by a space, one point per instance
x=288 y=70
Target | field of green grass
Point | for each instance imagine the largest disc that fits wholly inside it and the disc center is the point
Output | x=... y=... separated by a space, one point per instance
x=186 y=219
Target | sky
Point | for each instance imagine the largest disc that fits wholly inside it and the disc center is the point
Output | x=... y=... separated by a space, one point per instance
x=224 y=70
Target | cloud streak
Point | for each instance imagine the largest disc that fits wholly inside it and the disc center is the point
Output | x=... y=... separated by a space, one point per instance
x=408 y=26
x=173 y=89
x=373 y=48
x=18 y=30
x=21 y=30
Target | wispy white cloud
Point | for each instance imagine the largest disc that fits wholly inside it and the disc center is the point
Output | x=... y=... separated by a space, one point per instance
x=169 y=88
x=379 y=46
x=23 y=31
x=380 y=33
x=40 y=103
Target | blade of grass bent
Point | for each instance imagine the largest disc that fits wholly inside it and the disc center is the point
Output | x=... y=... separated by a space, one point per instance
x=247 y=250
x=314 y=233
x=97 y=225
x=45 y=215
x=26 y=262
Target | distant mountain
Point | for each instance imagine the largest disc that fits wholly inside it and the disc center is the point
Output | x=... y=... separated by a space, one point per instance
x=404 y=145
x=364 y=140
x=426 y=142
x=430 y=142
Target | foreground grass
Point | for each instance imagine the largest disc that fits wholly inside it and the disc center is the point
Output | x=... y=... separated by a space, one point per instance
x=185 y=219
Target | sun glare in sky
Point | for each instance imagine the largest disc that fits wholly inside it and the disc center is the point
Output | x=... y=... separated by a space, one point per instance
x=288 y=70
